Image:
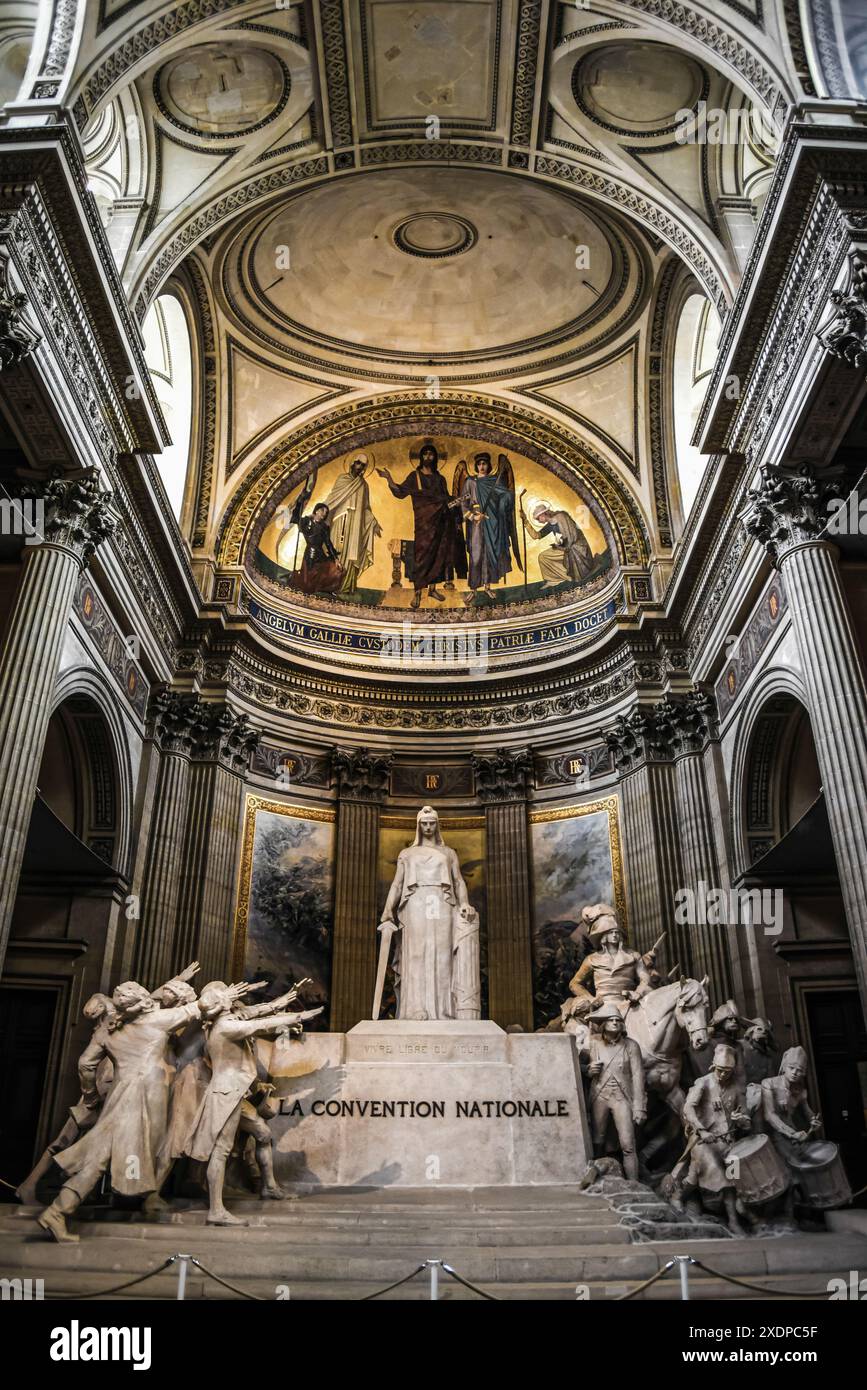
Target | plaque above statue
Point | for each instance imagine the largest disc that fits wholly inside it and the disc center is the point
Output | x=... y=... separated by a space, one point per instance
x=435 y=931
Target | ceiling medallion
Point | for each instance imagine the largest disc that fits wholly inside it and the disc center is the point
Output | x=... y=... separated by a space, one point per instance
x=435 y=235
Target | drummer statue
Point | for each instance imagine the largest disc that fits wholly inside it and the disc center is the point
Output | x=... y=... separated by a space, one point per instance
x=715 y=1115
x=616 y=973
x=788 y=1118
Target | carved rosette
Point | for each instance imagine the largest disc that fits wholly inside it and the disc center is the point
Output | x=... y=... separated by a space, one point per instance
x=361 y=775
x=787 y=508
x=17 y=338
x=503 y=774
x=78 y=516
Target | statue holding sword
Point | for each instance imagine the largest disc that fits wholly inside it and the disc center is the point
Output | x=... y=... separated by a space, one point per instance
x=436 y=957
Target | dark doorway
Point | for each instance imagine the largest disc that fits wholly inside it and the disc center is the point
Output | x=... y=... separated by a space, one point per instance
x=839 y=1041
x=26 y=1023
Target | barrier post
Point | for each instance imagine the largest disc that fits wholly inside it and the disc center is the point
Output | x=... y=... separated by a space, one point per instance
x=183 y=1264
x=434 y=1267
x=684 y=1262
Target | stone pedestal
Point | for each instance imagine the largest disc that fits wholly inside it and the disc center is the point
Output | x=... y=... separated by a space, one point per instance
x=451 y=1104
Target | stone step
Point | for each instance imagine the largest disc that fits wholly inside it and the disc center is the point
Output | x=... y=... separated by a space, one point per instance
x=234 y=1256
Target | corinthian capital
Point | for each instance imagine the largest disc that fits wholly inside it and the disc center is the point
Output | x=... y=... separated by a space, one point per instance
x=360 y=774
x=17 y=338
x=788 y=507
x=77 y=516
x=502 y=774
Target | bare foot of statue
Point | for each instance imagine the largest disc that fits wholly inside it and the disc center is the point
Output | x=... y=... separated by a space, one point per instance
x=224 y=1218
x=273 y=1193
x=54 y=1222
x=26 y=1194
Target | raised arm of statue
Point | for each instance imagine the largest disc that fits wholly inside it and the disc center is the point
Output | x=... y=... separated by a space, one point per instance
x=238 y=1028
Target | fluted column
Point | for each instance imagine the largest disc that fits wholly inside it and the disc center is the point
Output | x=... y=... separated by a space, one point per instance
x=686 y=725
x=648 y=790
x=362 y=785
x=220 y=755
x=172 y=719
x=74 y=517
x=501 y=783
x=787 y=512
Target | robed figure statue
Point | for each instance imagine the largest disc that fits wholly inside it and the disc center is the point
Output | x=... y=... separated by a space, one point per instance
x=436 y=931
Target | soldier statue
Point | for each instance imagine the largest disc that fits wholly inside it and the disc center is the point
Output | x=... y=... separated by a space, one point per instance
x=617 y=1086
x=617 y=973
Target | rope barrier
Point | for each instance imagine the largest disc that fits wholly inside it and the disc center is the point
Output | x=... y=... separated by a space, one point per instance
x=368 y=1296
x=255 y=1297
x=103 y=1293
x=622 y=1297
x=467 y=1285
x=760 y=1288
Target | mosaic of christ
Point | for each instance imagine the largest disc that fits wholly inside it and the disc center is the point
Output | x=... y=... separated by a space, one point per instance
x=433 y=523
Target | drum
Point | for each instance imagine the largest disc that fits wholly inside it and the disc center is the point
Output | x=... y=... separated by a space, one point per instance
x=819 y=1173
x=760 y=1174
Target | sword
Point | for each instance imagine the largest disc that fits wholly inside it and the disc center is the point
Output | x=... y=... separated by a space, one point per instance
x=387 y=931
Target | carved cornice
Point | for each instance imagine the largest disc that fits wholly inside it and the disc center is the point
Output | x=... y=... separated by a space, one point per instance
x=846 y=336
x=361 y=775
x=17 y=338
x=788 y=507
x=502 y=775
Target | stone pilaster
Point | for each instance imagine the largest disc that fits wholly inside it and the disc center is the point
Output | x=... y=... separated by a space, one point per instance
x=222 y=744
x=75 y=518
x=501 y=785
x=687 y=724
x=172 y=719
x=649 y=795
x=787 y=513
x=362 y=785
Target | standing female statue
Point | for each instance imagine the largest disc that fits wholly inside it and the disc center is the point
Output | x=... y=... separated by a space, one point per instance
x=436 y=959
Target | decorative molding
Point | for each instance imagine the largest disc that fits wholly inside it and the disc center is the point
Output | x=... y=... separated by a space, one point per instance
x=17 y=338
x=526 y=65
x=846 y=336
x=336 y=68
x=611 y=190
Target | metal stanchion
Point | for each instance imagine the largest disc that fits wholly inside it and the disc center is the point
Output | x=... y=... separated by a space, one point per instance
x=434 y=1267
x=684 y=1262
x=183 y=1265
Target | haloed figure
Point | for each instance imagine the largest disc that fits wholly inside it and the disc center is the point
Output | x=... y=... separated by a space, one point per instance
x=438 y=542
